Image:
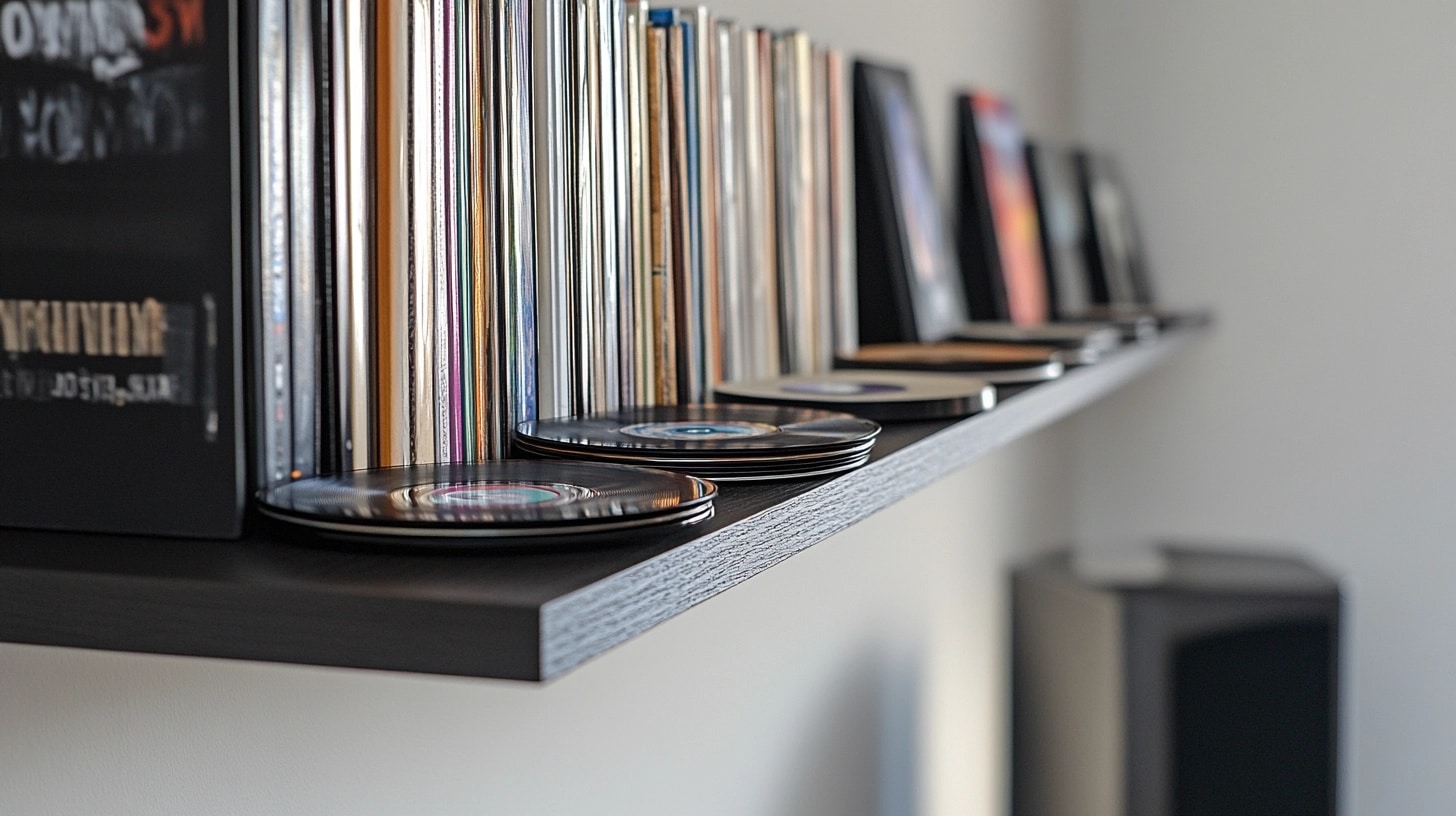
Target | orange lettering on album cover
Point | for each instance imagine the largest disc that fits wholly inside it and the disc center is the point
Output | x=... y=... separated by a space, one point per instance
x=172 y=22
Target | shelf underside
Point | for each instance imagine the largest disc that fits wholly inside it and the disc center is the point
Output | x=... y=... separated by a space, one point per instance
x=521 y=616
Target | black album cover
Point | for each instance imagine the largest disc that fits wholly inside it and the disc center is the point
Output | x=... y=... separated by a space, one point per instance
x=119 y=267
x=1063 y=228
x=1114 y=250
x=909 y=283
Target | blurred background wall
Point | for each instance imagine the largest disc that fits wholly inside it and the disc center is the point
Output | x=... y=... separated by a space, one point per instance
x=1294 y=166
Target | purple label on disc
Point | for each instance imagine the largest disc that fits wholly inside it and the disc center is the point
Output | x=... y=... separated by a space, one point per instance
x=699 y=431
x=485 y=495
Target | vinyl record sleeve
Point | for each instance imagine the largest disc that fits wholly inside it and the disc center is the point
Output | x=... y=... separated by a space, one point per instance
x=685 y=64
x=1063 y=228
x=1113 y=248
x=121 y=264
x=352 y=193
x=998 y=236
x=805 y=339
x=909 y=280
x=661 y=234
x=734 y=320
x=760 y=227
x=638 y=389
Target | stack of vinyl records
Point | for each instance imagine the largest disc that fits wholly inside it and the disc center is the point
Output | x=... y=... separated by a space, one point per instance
x=509 y=503
x=719 y=442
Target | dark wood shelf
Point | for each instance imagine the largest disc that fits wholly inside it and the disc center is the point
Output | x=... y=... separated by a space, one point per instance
x=521 y=616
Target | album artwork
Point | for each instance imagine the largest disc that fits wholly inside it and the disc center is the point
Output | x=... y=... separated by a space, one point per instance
x=120 y=267
x=998 y=236
x=909 y=282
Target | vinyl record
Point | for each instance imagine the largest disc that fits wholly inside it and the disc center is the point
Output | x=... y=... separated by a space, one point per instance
x=728 y=469
x=954 y=356
x=706 y=459
x=1005 y=365
x=1100 y=337
x=877 y=395
x=719 y=430
x=499 y=502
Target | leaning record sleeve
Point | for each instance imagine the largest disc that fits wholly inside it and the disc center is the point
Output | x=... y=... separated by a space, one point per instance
x=121 y=264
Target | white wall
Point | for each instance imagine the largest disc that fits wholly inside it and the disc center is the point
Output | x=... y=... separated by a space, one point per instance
x=1294 y=163
x=864 y=676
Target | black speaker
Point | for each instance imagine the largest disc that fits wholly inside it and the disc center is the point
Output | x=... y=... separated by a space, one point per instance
x=1182 y=683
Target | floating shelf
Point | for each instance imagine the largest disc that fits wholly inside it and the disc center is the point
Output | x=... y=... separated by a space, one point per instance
x=519 y=616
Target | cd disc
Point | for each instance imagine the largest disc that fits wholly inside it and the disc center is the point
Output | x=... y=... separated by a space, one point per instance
x=505 y=499
x=878 y=395
x=727 y=431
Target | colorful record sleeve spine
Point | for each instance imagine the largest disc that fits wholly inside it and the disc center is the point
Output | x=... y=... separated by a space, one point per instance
x=707 y=92
x=512 y=345
x=391 y=269
x=639 y=388
x=477 y=277
x=798 y=272
x=275 y=377
x=352 y=197
x=843 y=280
x=303 y=269
x=733 y=319
x=619 y=68
x=760 y=226
x=679 y=214
x=422 y=134
x=554 y=81
x=821 y=303
x=661 y=237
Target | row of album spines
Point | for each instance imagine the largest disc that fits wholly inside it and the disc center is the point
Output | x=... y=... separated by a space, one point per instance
x=392 y=413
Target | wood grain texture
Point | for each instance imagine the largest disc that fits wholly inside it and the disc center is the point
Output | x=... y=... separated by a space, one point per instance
x=282 y=596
